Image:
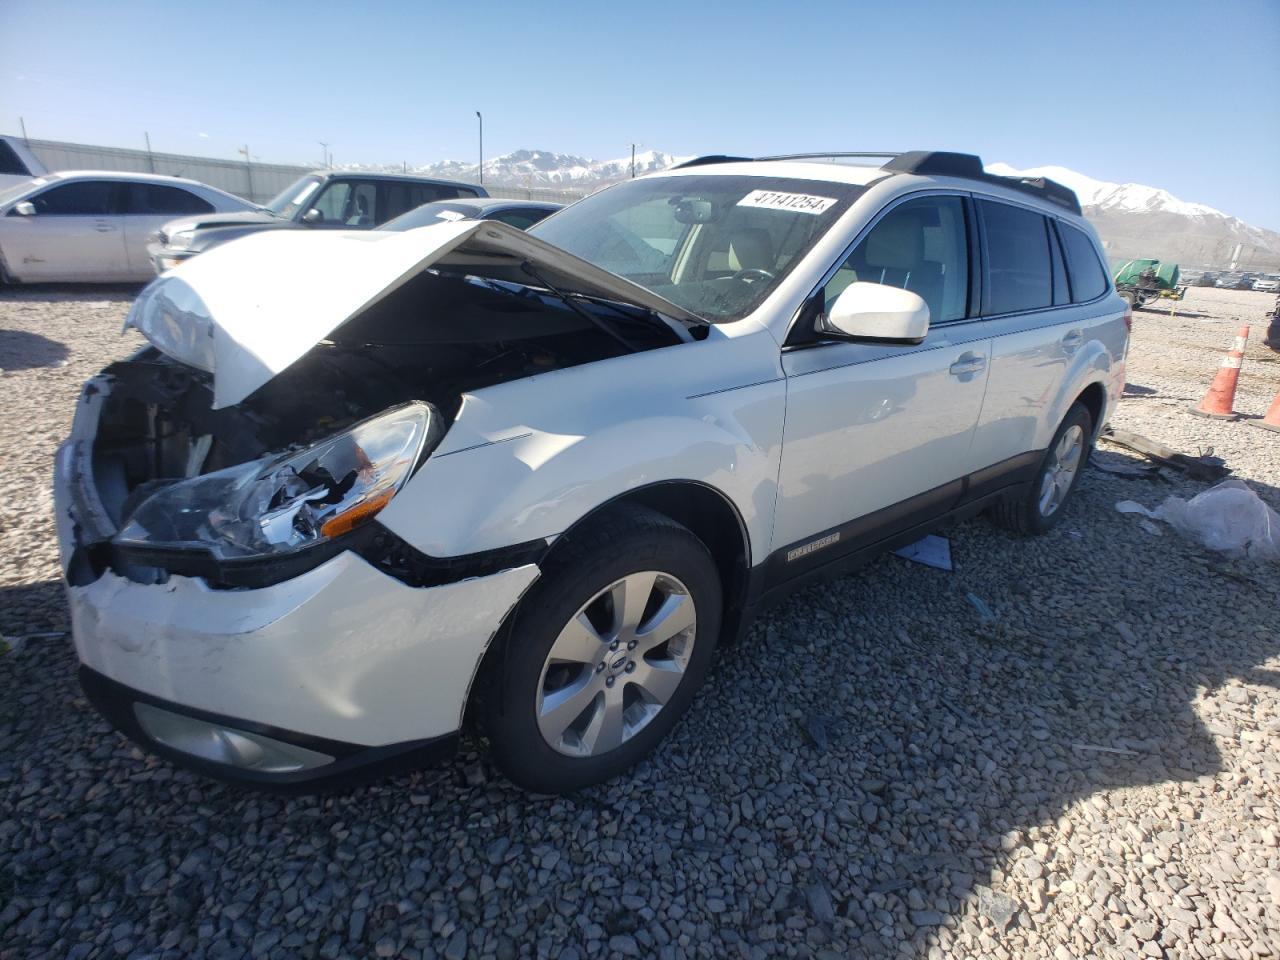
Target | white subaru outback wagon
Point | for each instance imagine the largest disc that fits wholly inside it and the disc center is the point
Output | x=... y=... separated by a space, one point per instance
x=364 y=490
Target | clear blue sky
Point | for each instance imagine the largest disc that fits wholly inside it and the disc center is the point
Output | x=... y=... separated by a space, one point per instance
x=1180 y=95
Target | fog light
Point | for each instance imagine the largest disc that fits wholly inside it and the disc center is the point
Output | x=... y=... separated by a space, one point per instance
x=221 y=744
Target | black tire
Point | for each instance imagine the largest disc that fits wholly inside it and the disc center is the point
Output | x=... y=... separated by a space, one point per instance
x=624 y=541
x=1021 y=512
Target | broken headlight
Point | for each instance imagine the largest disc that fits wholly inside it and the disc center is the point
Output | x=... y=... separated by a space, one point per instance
x=283 y=503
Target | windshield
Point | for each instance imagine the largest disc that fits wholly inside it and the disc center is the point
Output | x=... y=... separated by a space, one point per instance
x=286 y=203
x=19 y=190
x=430 y=213
x=716 y=245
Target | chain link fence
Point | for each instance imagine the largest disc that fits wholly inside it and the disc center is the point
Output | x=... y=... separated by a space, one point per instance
x=256 y=182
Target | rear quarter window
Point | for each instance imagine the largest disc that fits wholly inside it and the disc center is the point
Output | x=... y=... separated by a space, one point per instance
x=1088 y=279
x=155 y=199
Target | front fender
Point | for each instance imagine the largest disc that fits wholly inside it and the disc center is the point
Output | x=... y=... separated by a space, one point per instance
x=585 y=436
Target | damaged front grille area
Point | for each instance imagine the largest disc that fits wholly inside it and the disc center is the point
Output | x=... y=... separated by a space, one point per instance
x=372 y=542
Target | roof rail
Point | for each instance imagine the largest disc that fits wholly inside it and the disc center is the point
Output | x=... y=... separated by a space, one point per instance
x=825 y=154
x=1050 y=190
x=937 y=163
x=968 y=166
x=710 y=159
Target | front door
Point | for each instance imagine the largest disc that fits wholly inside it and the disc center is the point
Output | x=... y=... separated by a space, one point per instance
x=878 y=436
x=75 y=234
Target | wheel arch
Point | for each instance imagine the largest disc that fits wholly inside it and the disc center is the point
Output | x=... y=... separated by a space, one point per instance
x=712 y=517
x=1094 y=398
x=706 y=511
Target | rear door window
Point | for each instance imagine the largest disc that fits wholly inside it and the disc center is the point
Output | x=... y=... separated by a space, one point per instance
x=84 y=198
x=398 y=198
x=1088 y=279
x=1019 y=265
x=155 y=199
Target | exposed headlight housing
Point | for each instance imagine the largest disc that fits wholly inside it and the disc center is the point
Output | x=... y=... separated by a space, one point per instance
x=182 y=239
x=282 y=504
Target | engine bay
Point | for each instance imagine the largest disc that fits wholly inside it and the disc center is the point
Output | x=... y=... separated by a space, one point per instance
x=435 y=339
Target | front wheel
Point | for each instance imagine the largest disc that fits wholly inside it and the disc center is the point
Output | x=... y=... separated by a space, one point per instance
x=1040 y=508
x=604 y=654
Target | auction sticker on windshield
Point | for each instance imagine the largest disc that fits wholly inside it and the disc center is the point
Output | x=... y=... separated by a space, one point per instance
x=799 y=202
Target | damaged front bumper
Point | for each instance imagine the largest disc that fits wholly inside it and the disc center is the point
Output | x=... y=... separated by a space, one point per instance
x=338 y=670
x=164 y=258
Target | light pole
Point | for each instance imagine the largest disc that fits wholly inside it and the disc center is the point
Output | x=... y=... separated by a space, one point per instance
x=324 y=153
x=480 y=117
x=248 y=170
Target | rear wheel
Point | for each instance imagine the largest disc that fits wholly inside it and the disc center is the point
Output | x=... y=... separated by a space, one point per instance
x=605 y=653
x=1040 y=508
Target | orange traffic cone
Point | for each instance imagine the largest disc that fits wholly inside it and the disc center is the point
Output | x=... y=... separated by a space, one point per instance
x=1217 y=403
x=1272 y=420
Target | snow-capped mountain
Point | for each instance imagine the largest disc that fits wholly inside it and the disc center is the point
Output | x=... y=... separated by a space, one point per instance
x=1133 y=220
x=1129 y=197
x=542 y=168
x=1139 y=221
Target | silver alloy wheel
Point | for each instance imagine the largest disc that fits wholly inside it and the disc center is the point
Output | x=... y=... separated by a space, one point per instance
x=616 y=663
x=1061 y=469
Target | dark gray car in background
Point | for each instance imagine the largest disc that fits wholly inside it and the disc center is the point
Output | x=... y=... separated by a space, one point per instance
x=521 y=214
x=324 y=200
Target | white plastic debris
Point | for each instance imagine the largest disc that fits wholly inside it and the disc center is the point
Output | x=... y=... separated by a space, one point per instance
x=932 y=551
x=1132 y=506
x=1228 y=517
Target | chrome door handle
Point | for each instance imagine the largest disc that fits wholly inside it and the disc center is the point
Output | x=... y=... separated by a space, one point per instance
x=105 y=228
x=1072 y=340
x=968 y=363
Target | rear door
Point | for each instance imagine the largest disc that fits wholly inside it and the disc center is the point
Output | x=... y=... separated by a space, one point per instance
x=75 y=234
x=146 y=208
x=1036 y=330
x=877 y=436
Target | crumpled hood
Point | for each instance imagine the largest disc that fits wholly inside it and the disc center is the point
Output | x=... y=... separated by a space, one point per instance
x=247 y=310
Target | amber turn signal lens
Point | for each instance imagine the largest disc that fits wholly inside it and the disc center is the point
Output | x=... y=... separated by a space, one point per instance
x=347 y=521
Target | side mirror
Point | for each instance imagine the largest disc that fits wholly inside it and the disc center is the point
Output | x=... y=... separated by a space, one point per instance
x=313 y=216
x=872 y=311
x=25 y=209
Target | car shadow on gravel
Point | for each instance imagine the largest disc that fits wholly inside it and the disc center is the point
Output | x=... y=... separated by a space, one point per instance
x=876 y=761
x=45 y=292
x=32 y=608
x=23 y=350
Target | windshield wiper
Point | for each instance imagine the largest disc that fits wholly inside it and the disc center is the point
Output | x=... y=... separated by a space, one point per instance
x=569 y=301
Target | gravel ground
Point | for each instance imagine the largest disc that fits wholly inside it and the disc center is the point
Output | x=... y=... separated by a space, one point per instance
x=879 y=770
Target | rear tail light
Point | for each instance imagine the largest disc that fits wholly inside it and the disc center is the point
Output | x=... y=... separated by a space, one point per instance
x=1128 y=318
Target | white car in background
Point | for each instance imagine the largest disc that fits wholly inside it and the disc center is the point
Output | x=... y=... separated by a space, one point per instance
x=365 y=488
x=93 y=225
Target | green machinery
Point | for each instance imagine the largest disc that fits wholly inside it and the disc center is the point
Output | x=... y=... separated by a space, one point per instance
x=1141 y=281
